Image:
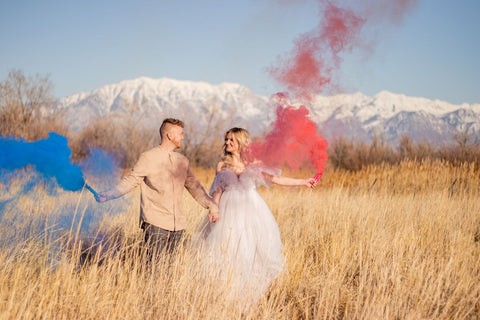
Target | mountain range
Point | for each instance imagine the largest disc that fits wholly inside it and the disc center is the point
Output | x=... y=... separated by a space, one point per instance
x=201 y=104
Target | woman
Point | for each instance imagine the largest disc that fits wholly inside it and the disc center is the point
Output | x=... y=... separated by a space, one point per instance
x=243 y=249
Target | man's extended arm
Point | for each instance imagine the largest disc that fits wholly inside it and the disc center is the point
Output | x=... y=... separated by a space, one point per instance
x=198 y=193
x=129 y=182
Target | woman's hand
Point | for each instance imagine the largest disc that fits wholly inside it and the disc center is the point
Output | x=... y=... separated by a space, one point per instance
x=314 y=180
x=213 y=215
x=310 y=183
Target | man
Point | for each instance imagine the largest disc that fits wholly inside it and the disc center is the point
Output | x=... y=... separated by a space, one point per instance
x=162 y=174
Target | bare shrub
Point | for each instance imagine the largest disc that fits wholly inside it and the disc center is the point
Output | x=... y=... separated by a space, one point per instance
x=122 y=135
x=204 y=137
x=24 y=107
x=465 y=149
x=125 y=143
x=125 y=134
x=340 y=153
x=408 y=150
x=406 y=147
x=355 y=155
x=380 y=151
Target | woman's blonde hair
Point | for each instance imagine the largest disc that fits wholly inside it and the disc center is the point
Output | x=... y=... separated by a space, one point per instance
x=243 y=138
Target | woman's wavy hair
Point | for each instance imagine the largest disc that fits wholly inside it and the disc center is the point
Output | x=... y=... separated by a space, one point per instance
x=243 y=138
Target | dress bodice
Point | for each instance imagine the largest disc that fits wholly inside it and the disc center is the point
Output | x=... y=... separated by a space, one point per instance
x=251 y=178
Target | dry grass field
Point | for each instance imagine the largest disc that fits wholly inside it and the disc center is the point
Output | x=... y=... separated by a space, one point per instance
x=392 y=242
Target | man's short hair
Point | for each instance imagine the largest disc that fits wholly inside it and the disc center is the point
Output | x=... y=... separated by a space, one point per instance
x=171 y=121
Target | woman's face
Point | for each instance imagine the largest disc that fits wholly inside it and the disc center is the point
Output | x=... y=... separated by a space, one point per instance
x=231 y=144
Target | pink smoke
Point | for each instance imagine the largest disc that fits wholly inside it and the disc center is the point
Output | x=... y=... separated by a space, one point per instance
x=293 y=139
x=314 y=64
x=311 y=68
x=316 y=57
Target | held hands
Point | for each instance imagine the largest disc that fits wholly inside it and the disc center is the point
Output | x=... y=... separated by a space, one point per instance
x=213 y=215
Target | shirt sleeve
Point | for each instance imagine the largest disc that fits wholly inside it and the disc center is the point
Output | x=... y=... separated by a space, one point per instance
x=130 y=181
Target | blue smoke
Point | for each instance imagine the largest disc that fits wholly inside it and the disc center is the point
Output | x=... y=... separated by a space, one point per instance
x=100 y=165
x=29 y=168
x=50 y=157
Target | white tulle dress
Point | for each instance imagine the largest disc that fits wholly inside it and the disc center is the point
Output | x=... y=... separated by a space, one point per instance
x=243 y=249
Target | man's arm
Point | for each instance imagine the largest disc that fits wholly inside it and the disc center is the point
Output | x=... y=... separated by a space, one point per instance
x=200 y=195
x=129 y=182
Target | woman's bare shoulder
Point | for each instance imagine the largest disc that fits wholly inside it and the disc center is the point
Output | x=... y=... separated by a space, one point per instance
x=220 y=166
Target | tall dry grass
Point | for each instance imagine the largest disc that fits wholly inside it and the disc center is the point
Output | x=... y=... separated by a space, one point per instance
x=392 y=242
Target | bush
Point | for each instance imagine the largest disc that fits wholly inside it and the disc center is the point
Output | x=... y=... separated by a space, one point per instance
x=355 y=155
x=24 y=107
x=123 y=140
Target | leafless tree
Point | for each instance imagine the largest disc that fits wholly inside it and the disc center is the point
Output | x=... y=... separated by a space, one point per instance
x=25 y=105
x=467 y=147
x=204 y=132
x=123 y=134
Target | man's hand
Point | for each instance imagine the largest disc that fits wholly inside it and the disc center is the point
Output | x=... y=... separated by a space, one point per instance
x=213 y=215
x=101 y=197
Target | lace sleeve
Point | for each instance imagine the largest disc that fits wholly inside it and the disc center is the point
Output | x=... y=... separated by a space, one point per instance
x=258 y=171
x=218 y=183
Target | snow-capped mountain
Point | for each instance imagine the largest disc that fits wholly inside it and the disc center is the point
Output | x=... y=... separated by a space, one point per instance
x=349 y=115
x=151 y=100
x=393 y=115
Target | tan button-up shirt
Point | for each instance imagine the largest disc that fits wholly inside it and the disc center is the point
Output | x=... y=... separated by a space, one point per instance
x=162 y=175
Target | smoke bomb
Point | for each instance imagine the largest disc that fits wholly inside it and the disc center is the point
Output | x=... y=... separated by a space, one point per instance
x=317 y=177
x=91 y=190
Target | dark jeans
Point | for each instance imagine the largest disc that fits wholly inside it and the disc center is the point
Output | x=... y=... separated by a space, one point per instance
x=158 y=240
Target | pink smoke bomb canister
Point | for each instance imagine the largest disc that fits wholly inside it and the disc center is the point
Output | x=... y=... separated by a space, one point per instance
x=317 y=177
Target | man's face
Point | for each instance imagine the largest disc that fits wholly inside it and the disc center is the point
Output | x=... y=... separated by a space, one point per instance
x=176 y=136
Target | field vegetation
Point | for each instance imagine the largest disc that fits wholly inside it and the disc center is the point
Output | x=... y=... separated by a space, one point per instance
x=385 y=242
x=388 y=233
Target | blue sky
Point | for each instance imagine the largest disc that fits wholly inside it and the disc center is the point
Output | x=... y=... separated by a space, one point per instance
x=84 y=45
